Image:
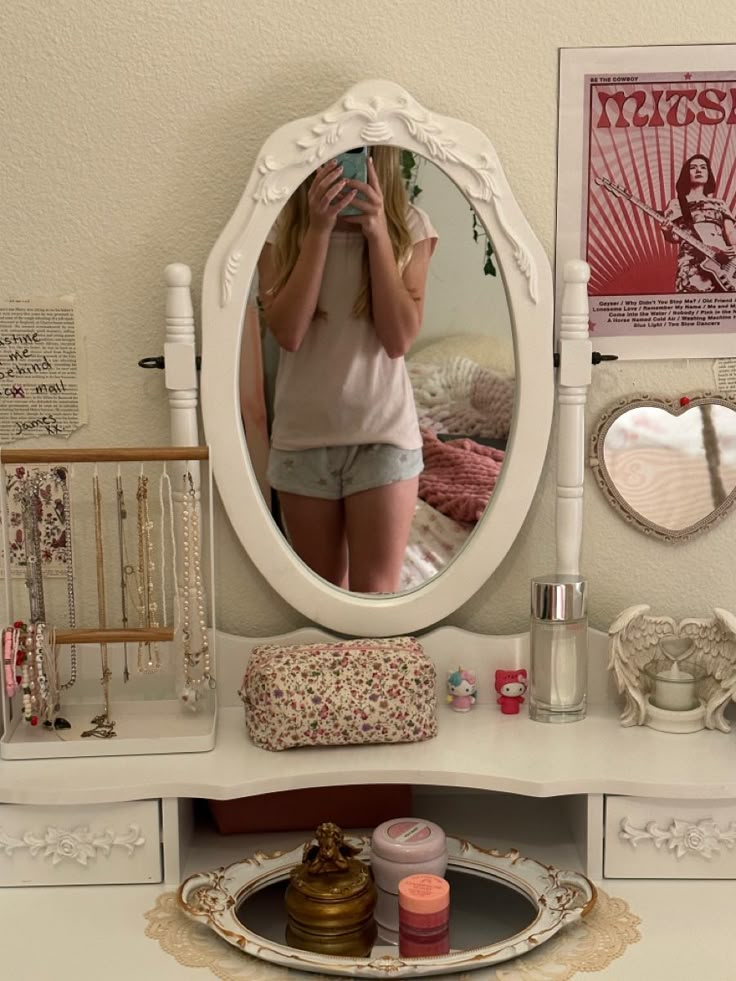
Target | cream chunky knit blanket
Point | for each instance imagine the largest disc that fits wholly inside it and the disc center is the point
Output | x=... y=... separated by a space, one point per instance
x=460 y=396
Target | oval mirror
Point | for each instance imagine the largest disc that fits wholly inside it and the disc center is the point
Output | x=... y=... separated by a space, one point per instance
x=668 y=466
x=459 y=398
x=460 y=367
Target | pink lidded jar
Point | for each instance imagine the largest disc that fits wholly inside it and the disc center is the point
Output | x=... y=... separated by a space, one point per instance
x=406 y=846
x=403 y=847
x=424 y=916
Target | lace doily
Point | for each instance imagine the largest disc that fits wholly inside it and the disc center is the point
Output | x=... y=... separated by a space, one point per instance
x=588 y=946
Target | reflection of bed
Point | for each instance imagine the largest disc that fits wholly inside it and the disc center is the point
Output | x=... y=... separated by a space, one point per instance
x=461 y=396
x=454 y=489
x=434 y=541
x=464 y=410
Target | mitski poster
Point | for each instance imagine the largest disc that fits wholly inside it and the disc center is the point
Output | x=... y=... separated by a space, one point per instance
x=647 y=196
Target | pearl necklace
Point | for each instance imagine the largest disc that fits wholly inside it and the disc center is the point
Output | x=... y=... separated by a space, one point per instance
x=192 y=571
x=147 y=607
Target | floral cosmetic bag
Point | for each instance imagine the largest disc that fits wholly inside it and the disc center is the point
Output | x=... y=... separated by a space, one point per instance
x=348 y=692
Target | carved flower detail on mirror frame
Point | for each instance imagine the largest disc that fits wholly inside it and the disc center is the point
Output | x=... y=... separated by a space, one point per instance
x=382 y=120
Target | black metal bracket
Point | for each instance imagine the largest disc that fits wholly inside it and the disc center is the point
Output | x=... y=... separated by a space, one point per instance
x=160 y=362
x=596 y=358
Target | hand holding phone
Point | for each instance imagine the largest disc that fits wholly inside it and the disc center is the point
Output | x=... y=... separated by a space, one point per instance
x=354 y=165
x=326 y=194
x=368 y=201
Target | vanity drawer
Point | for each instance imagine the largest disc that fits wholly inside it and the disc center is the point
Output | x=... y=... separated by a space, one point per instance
x=88 y=844
x=650 y=838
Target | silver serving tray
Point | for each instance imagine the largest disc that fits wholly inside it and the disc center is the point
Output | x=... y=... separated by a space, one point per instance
x=551 y=899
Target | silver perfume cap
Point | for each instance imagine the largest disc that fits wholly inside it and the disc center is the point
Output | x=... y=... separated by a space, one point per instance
x=559 y=597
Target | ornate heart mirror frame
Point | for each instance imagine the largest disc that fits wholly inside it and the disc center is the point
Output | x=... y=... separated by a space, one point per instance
x=606 y=480
x=377 y=112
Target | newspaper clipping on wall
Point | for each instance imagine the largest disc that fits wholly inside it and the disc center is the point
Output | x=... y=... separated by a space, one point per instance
x=647 y=196
x=40 y=377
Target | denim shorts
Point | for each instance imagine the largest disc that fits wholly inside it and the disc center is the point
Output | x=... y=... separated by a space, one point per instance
x=334 y=472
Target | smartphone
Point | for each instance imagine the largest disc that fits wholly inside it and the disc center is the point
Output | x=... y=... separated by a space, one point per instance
x=354 y=167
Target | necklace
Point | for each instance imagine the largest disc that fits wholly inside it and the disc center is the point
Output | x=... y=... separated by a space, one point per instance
x=51 y=666
x=122 y=553
x=192 y=574
x=147 y=606
x=11 y=684
x=39 y=648
x=103 y=727
x=30 y=504
x=24 y=642
x=64 y=477
x=168 y=501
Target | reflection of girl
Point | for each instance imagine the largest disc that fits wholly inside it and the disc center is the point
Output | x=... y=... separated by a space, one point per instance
x=697 y=211
x=343 y=296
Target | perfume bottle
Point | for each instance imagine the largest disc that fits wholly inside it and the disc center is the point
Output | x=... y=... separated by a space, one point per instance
x=558 y=648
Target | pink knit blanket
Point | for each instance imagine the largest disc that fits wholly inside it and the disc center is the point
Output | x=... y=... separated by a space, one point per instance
x=459 y=476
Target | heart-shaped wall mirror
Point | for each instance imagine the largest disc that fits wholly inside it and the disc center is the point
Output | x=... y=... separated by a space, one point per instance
x=668 y=466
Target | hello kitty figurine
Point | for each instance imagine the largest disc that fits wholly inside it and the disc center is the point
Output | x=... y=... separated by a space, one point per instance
x=511 y=687
x=461 y=690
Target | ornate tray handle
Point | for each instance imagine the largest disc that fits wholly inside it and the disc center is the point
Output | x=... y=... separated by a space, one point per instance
x=575 y=893
x=204 y=896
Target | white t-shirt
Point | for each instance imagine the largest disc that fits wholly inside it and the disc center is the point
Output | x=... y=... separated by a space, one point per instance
x=341 y=388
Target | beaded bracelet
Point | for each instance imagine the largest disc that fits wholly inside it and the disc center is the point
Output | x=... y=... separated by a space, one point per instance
x=9 y=662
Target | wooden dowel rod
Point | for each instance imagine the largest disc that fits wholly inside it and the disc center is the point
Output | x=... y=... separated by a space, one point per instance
x=113 y=636
x=106 y=454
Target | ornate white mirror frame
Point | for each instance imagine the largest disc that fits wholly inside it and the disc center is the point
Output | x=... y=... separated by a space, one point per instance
x=374 y=112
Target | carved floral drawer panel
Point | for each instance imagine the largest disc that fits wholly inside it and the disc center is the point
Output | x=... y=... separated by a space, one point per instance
x=86 y=844
x=648 y=838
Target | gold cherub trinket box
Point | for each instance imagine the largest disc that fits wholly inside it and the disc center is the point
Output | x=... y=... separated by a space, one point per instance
x=331 y=898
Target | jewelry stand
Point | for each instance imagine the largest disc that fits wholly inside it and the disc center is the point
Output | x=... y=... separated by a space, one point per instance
x=129 y=725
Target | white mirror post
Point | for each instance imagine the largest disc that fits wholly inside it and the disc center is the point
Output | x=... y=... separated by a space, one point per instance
x=180 y=379
x=575 y=352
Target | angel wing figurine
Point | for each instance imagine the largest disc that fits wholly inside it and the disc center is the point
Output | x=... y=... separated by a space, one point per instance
x=636 y=639
x=715 y=652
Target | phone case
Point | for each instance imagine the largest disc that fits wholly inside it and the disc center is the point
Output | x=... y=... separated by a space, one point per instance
x=354 y=167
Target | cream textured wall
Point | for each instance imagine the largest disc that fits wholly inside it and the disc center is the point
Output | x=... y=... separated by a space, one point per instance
x=129 y=128
x=460 y=297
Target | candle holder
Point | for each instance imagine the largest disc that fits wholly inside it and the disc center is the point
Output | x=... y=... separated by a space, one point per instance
x=676 y=677
x=673 y=702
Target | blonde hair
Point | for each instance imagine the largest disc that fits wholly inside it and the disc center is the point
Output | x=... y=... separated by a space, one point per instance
x=294 y=221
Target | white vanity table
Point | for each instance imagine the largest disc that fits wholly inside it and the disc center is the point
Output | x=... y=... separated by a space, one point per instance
x=591 y=774
x=557 y=793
